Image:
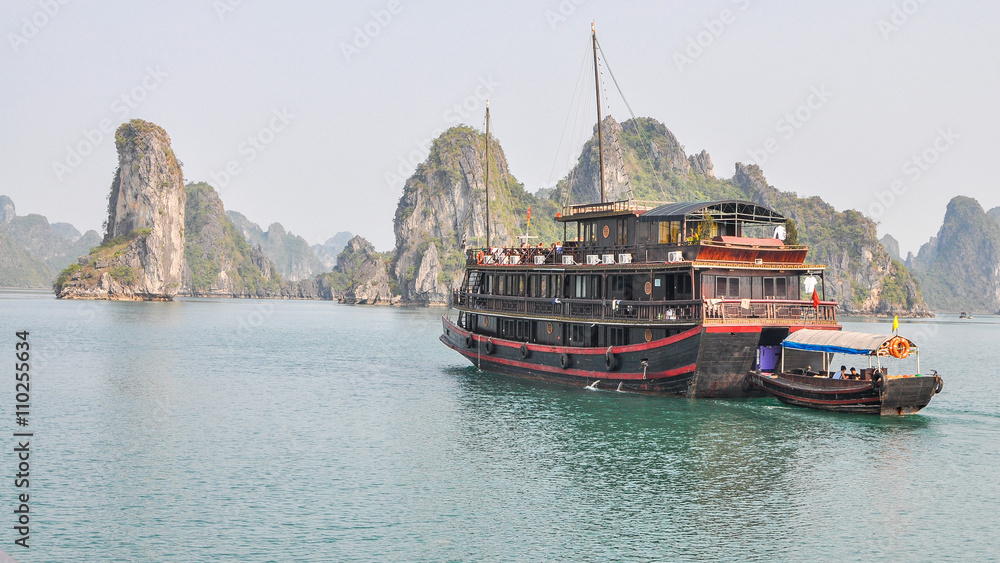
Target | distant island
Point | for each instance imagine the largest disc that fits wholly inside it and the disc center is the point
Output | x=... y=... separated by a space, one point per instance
x=164 y=239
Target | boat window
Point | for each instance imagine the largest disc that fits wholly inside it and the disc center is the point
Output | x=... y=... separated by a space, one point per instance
x=670 y=232
x=776 y=288
x=727 y=287
x=616 y=336
x=622 y=232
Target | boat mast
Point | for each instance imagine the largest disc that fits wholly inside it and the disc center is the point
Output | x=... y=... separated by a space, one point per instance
x=487 y=174
x=597 y=85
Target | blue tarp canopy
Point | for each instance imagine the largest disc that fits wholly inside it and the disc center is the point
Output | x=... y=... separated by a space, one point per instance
x=841 y=342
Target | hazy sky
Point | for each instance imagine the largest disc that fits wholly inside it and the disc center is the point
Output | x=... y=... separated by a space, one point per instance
x=311 y=113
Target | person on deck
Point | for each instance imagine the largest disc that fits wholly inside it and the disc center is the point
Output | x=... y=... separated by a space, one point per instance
x=854 y=373
x=841 y=373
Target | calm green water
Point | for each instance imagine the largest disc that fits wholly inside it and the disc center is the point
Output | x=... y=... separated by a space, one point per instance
x=229 y=430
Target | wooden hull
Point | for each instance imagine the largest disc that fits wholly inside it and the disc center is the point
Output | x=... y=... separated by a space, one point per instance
x=898 y=396
x=696 y=363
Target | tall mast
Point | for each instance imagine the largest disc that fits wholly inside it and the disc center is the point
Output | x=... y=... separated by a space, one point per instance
x=597 y=85
x=487 y=174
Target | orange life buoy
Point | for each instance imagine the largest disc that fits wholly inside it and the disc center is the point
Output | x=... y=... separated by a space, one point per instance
x=479 y=257
x=899 y=348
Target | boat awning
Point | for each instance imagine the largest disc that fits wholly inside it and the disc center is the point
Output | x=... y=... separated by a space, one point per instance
x=842 y=342
x=728 y=210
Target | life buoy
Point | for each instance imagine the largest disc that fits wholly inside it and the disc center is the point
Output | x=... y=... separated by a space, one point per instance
x=480 y=257
x=899 y=348
x=939 y=386
x=610 y=360
x=564 y=360
x=468 y=341
x=524 y=351
x=878 y=381
x=489 y=347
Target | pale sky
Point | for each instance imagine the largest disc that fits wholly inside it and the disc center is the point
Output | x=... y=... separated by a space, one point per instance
x=314 y=107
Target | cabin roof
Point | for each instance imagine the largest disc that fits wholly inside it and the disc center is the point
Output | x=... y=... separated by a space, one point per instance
x=842 y=342
x=727 y=210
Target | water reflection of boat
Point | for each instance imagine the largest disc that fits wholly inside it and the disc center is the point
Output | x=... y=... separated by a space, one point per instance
x=872 y=391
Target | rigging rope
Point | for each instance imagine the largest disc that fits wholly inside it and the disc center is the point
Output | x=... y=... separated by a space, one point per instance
x=638 y=128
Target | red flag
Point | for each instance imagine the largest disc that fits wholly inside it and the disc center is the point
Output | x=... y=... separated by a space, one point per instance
x=529 y=216
x=816 y=299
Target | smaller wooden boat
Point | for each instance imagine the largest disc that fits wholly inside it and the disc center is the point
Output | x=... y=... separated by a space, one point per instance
x=872 y=391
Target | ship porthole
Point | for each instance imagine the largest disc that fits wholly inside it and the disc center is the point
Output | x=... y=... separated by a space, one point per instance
x=648 y=288
x=606 y=232
x=648 y=335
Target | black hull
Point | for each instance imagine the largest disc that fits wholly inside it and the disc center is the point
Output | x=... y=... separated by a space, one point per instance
x=898 y=396
x=695 y=363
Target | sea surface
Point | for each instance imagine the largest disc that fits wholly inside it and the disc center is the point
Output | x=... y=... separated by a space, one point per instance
x=241 y=430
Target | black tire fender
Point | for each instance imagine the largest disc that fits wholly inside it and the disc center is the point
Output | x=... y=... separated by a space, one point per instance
x=524 y=351
x=878 y=381
x=468 y=341
x=564 y=360
x=939 y=386
x=610 y=360
x=746 y=385
x=490 y=348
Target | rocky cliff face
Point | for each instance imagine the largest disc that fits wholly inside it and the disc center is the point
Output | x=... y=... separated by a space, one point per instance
x=361 y=276
x=290 y=253
x=7 y=210
x=220 y=262
x=959 y=269
x=995 y=213
x=891 y=245
x=327 y=252
x=642 y=158
x=142 y=256
x=860 y=274
x=443 y=204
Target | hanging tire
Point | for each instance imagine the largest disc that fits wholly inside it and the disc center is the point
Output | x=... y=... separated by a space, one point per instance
x=610 y=360
x=878 y=381
x=746 y=385
x=939 y=386
x=524 y=351
x=564 y=360
x=468 y=341
x=490 y=348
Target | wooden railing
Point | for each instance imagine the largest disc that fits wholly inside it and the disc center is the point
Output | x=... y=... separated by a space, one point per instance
x=726 y=311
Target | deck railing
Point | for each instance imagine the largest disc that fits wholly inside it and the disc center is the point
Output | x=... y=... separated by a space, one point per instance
x=713 y=311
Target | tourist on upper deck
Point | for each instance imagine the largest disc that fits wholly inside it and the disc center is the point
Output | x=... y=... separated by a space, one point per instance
x=779 y=233
x=841 y=373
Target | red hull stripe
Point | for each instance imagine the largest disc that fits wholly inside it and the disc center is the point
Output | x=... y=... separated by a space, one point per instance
x=736 y=328
x=650 y=376
x=574 y=350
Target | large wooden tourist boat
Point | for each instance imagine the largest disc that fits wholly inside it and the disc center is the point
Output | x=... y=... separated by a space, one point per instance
x=678 y=298
x=871 y=391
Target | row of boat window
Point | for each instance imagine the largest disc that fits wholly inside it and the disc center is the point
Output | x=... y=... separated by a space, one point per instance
x=587 y=286
x=559 y=334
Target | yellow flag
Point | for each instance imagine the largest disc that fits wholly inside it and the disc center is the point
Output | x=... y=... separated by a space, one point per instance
x=895 y=323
